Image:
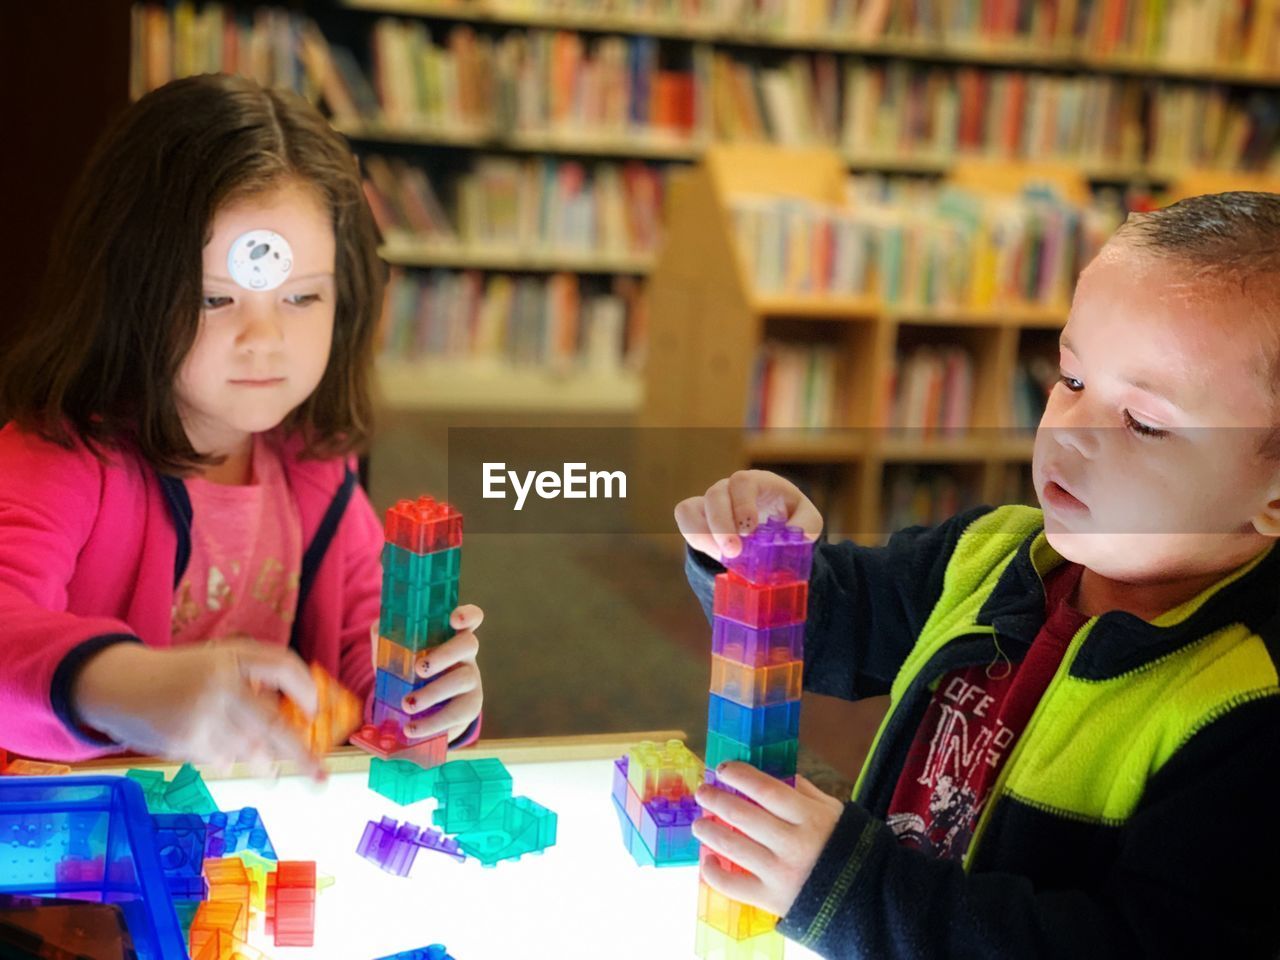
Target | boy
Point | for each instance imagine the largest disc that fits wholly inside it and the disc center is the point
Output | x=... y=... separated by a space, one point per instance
x=1083 y=742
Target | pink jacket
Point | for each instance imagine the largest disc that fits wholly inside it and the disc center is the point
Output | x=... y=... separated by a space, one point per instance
x=90 y=555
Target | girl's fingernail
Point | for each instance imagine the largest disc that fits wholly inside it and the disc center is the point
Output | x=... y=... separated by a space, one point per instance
x=411 y=701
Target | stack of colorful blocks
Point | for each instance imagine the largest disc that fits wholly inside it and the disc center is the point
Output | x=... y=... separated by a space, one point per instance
x=757 y=658
x=653 y=789
x=420 y=565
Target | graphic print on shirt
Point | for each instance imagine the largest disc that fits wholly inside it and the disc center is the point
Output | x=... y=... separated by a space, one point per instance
x=968 y=744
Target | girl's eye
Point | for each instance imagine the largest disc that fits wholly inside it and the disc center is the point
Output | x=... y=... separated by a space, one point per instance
x=303 y=299
x=1071 y=383
x=214 y=302
x=1140 y=428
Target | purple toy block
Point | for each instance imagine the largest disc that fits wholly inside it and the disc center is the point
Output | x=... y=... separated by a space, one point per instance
x=389 y=847
x=384 y=712
x=709 y=775
x=431 y=839
x=620 y=767
x=773 y=553
x=666 y=829
x=757 y=646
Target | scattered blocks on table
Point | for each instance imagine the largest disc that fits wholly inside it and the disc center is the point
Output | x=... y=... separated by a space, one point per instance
x=213 y=917
x=187 y=792
x=514 y=827
x=291 y=903
x=180 y=841
x=235 y=831
x=229 y=883
x=400 y=781
x=467 y=790
x=338 y=712
x=394 y=847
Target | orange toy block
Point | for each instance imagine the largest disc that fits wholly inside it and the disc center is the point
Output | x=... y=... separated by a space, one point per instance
x=214 y=917
x=338 y=713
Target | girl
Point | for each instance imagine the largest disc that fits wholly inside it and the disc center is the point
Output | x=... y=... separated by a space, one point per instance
x=180 y=524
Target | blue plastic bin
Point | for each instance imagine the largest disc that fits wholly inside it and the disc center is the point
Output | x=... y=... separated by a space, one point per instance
x=89 y=838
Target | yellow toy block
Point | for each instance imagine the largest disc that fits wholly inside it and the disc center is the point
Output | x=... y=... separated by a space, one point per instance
x=223 y=946
x=711 y=944
x=668 y=770
x=214 y=917
x=741 y=921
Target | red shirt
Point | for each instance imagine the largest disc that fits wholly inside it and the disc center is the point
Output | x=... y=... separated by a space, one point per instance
x=970 y=726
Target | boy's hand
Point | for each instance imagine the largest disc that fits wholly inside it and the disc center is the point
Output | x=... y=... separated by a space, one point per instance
x=216 y=703
x=780 y=839
x=452 y=700
x=713 y=522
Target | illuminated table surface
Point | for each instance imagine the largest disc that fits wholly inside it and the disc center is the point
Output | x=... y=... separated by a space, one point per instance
x=583 y=898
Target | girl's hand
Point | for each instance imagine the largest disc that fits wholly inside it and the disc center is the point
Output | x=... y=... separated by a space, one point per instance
x=216 y=703
x=713 y=522
x=452 y=699
x=778 y=841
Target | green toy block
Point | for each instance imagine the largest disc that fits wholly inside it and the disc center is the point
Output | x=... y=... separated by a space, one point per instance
x=514 y=827
x=401 y=781
x=468 y=790
x=188 y=794
x=778 y=759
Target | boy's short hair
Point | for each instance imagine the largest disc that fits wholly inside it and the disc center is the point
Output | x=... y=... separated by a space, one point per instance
x=121 y=299
x=1230 y=242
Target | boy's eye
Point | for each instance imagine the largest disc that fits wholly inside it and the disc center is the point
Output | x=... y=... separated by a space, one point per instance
x=1071 y=383
x=1140 y=428
x=303 y=299
x=214 y=302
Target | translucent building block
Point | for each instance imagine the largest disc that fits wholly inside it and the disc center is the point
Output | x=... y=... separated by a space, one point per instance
x=756 y=686
x=291 y=904
x=778 y=721
x=418 y=633
x=714 y=781
x=388 y=742
x=186 y=793
x=515 y=827
x=154 y=785
x=769 y=605
x=436 y=951
x=468 y=790
x=437 y=842
x=390 y=845
x=389 y=713
x=229 y=883
x=631 y=840
x=213 y=916
x=338 y=713
x=666 y=827
x=706 y=854
x=420 y=569
x=180 y=842
x=619 y=788
x=757 y=647
x=222 y=945
x=741 y=921
x=234 y=831
x=414 y=602
x=392 y=689
x=424 y=526
x=397 y=660
x=256 y=868
x=773 y=553
x=712 y=944
x=400 y=781
x=35 y=768
x=670 y=770
x=777 y=758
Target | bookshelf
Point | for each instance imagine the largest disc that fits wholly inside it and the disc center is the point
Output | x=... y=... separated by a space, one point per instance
x=708 y=324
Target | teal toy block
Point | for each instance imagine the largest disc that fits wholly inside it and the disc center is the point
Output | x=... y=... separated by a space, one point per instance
x=514 y=827
x=400 y=781
x=777 y=758
x=467 y=791
x=392 y=689
x=420 y=569
x=153 y=786
x=433 y=600
x=421 y=633
x=188 y=794
x=779 y=721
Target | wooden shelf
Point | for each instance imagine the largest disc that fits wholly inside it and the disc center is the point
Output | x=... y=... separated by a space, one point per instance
x=640 y=145
x=816 y=306
x=970 y=449
x=405 y=252
x=1015 y=315
x=799 y=446
x=1020 y=54
x=437 y=385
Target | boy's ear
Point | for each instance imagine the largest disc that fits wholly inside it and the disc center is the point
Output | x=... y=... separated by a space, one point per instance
x=1267 y=520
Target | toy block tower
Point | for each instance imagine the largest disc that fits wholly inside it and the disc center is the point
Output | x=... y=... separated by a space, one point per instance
x=757 y=658
x=653 y=789
x=420 y=565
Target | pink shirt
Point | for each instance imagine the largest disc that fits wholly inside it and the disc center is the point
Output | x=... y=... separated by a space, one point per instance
x=246 y=558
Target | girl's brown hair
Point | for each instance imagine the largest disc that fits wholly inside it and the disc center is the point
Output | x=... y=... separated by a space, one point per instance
x=120 y=302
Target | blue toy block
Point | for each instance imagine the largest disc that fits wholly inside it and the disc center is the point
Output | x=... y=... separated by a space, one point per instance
x=392 y=689
x=43 y=818
x=779 y=721
x=631 y=839
x=620 y=781
x=180 y=842
x=235 y=831
x=776 y=758
x=436 y=951
x=420 y=569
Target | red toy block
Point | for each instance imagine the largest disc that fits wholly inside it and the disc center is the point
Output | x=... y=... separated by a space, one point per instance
x=388 y=742
x=291 y=903
x=424 y=526
x=768 y=605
